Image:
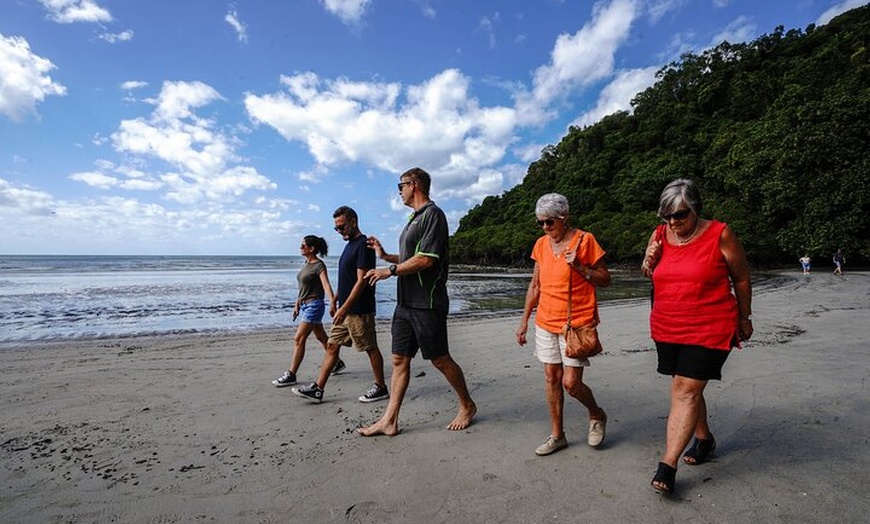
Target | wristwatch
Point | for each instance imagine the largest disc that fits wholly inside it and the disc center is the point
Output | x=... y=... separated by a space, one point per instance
x=393 y=269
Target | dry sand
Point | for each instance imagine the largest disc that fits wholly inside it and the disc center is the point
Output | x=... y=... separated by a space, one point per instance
x=189 y=429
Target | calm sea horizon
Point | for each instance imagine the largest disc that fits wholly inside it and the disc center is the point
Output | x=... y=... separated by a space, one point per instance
x=59 y=297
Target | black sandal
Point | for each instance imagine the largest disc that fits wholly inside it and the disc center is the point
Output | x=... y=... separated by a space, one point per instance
x=664 y=479
x=701 y=451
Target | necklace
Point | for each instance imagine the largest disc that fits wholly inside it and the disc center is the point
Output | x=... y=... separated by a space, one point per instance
x=554 y=245
x=682 y=240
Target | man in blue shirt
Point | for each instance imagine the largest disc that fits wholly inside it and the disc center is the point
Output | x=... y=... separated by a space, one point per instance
x=353 y=322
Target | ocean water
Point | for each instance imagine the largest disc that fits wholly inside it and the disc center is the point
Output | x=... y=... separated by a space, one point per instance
x=69 y=297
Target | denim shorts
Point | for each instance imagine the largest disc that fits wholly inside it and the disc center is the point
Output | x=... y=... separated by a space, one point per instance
x=312 y=311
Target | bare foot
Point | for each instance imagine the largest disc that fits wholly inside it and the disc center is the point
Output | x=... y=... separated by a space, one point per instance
x=463 y=418
x=379 y=428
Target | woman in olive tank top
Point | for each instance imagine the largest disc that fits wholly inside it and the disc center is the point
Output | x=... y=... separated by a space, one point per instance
x=314 y=288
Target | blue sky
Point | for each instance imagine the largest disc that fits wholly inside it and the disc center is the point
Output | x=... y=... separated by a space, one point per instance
x=209 y=127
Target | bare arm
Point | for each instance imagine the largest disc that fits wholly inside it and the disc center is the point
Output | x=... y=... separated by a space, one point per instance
x=374 y=243
x=533 y=294
x=597 y=274
x=738 y=269
x=327 y=287
x=413 y=265
x=652 y=254
x=357 y=290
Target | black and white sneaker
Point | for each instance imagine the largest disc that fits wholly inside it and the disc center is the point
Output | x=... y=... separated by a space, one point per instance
x=287 y=379
x=313 y=392
x=338 y=367
x=375 y=393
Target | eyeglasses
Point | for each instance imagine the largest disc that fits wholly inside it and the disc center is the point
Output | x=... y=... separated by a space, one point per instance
x=340 y=227
x=402 y=185
x=679 y=215
x=303 y=246
x=548 y=221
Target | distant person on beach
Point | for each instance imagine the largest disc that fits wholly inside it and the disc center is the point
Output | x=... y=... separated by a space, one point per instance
x=839 y=262
x=805 y=264
x=314 y=287
x=420 y=317
x=563 y=255
x=353 y=312
x=702 y=307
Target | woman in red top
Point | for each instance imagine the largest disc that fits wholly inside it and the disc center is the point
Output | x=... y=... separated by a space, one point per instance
x=563 y=254
x=694 y=264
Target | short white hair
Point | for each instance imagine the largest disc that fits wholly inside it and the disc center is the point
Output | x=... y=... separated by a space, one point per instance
x=552 y=205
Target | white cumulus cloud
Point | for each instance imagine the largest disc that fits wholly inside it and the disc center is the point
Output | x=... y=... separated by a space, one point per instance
x=123 y=36
x=437 y=124
x=69 y=11
x=24 y=79
x=839 y=9
x=202 y=158
x=133 y=84
x=349 y=11
x=585 y=57
x=617 y=95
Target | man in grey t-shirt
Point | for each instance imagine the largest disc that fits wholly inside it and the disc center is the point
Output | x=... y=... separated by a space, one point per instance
x=420 y=318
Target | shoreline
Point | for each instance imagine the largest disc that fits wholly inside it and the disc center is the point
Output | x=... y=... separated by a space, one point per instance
x=188 y=428
x=771 y=279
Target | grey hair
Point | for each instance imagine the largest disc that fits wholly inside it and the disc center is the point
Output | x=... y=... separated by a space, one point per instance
x=681 y=191
x=552 y=205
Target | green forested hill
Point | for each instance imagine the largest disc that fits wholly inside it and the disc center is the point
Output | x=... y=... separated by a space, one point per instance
x=774 y=131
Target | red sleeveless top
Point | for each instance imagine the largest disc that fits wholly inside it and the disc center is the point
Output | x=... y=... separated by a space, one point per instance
x=692 y=299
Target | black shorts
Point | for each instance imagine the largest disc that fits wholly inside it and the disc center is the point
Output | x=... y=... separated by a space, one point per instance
x=423 y=329
x=695 y=362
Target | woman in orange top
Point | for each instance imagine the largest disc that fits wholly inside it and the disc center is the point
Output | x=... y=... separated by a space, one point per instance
x=694 y=264
x=564 y=254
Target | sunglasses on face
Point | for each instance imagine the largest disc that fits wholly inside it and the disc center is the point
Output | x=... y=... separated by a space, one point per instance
x=403 y=184
x=548 y=221
x=340 y=227
x=679 y=215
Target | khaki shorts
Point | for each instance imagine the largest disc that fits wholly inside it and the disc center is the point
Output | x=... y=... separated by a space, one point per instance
x=356 y=330
x=550 y=349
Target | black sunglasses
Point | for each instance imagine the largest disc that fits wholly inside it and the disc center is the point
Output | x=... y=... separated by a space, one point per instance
x=340 y=227
x=403 y=184
x=548 y=221
x=679 y=215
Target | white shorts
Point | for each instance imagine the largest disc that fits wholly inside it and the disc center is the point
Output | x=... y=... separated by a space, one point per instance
x=550 y=349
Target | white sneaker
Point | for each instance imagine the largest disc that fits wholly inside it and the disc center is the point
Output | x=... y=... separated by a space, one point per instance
x=597 y=431
x=552 y=445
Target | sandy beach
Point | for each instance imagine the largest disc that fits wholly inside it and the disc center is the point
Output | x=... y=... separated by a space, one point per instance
x=190 y=429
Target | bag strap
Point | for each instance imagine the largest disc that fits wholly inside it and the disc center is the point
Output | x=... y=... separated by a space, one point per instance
x=570 y=283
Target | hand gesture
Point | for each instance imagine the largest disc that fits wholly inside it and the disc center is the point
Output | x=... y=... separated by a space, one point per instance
x=374 y=243
x=651 y=257
x=373 y=275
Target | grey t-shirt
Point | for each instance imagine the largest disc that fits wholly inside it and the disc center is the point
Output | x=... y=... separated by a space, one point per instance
x=310 y=286
x=426 y=233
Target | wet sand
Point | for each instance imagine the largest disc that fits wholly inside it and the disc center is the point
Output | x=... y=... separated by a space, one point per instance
x=190 y=429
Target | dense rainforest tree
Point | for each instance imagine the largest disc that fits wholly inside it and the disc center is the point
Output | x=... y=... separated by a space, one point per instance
x=774 y=131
